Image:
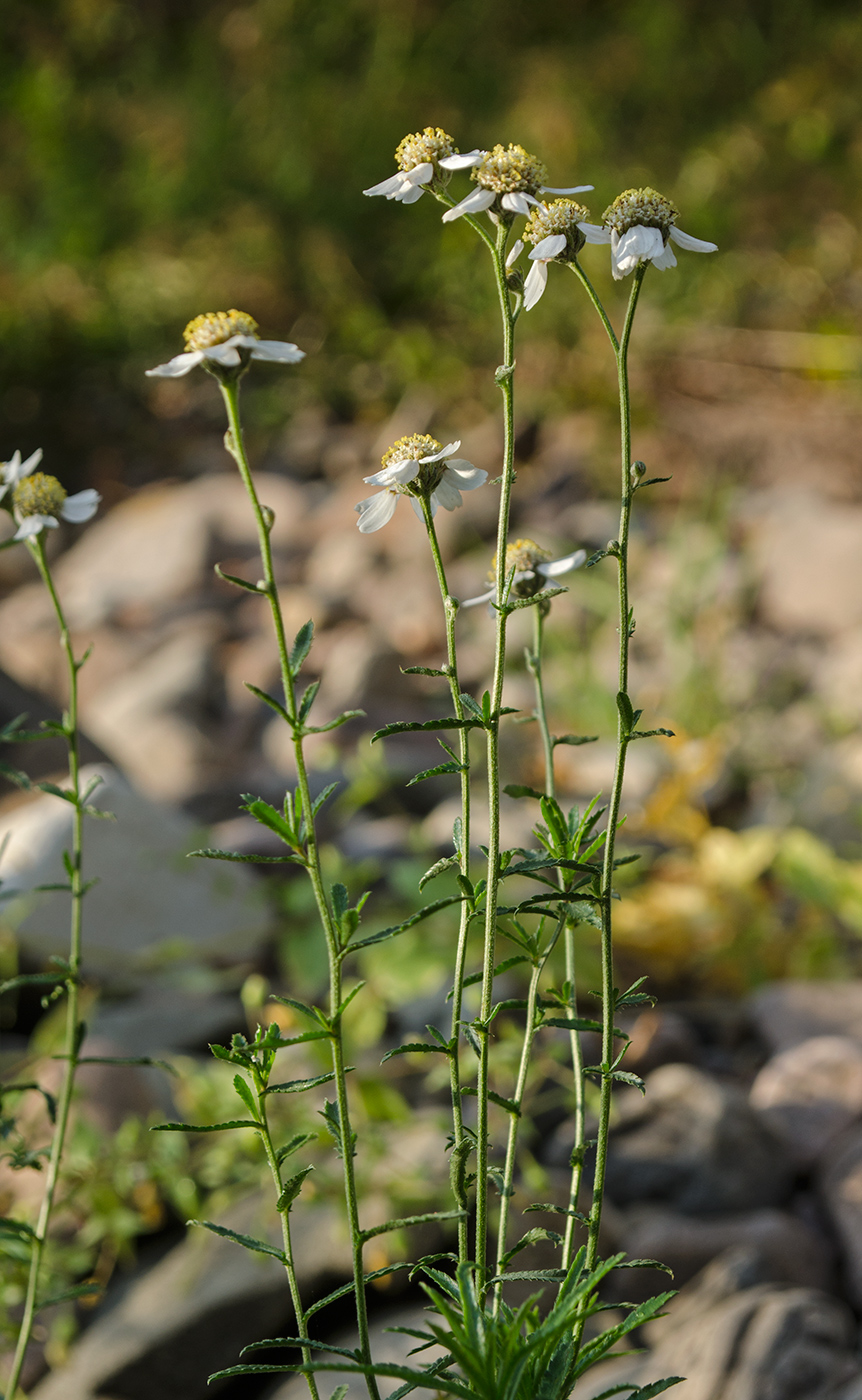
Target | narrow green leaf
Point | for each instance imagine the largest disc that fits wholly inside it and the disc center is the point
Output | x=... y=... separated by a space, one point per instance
x=302 y=1007
x=309 y=696
x=440 y=770
x=574 y=739
x=509 y=1105
x=424 y=671
x=33 y=979
x=627 y=714
x=296 y=1142
x=247 y=1241
x=291 y=1189
x=426 y=726
x=323 y=797
x=408 y=923
x=347 y=1288
x=79 y=1290
x=204 y=1128
x=405 y=1221
x=298 y=1086
x=18 y=1228
x=652 y=734
x=624 y=1076
x=269 y=700
x=237 y=582
x=245 y=1093
x=334 y=723
x=211 y=853
x=437 y=869
x=416 y=1047
x=521 y=790
x=124 y=1060
x=301 y=647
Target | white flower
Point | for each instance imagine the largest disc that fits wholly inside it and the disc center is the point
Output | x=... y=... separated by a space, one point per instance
x=420 y=157
x=219 y=337
x=38 y=500
x=558 y=231
x=640 y=225
x=415 y=466
x=533 y=569
x=510 y=175
x=14 y=470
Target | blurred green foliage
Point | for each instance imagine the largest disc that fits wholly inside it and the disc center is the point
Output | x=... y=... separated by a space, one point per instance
x=157 y=160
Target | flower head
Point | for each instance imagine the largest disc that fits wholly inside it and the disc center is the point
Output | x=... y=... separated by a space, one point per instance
x=509 y=179
x=640 y=226
x=557 y=231
x=38 y=500
x=14 y=470
x=422 y=157
x=225 y=340
x=533 y=567
x=419 y=467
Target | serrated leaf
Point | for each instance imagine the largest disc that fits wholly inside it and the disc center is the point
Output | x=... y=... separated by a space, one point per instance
x=408 y=923
x=574 y=739
x=544 y=595
x=212 y=853
x=291 y=1189
x=309 y=696
x=627 y=714
x=33 y=979
x=625 y=1076
x=266 y=815
x=245 y=1094
x=415 y=1047
x=424 y=726
x=301 y=647
x=327 y=793
x=405 y=1221
x=424 y=671
x=247 y=1241
x=437 y=869
x=238 y=582
x=293 y=1145
x=510 y=1106
x=204 y=1128
x=438 y=771
x=302 y=1007
x=298 y=1086
x=521 y=790
x=334 y=723
x=652 y=734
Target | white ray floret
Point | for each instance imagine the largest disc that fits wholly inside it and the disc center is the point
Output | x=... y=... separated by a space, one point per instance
x=404 y=466
x=530 y=580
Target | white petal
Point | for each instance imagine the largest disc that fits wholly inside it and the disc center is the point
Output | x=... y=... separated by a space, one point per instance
x=534 y=286
x=408 y=194
x=636 y=245
x=514 y=252
x=444 y=452
x=482 y=598
x=396 y=473
x=570 y=189
x=556 y=567
x=516 y=202
x=692 y=245
x=420 y=174
x=32 y=524
x=594 y=233
x=283 y=352
x=447 y=494
x=388 y=186
x=25 y=468
x=462 y=162
x=82 y=506
x=376 y=511
x=180 y=364
x=473 y=204
x=665 y=259
x=549 y=247
x=225 y=354
x=464 y=475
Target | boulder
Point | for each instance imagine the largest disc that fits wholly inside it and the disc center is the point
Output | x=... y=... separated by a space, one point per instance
x=151 y=903
x=786 y=1013
x=841 y=1191
x=695 y=1143
x=808 y=1094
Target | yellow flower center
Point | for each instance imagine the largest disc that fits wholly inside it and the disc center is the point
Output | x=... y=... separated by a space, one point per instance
x=561 y=216
x=506 y=169
x=431 y=144
x=645 y=208
x=522 y=556
x=38 y=495
x=215 y=327
x=410 y=449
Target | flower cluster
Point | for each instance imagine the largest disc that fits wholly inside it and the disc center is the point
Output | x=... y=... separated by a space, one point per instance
x=225 y=340
x=509 y=180
x=419 y=467
x=38 y=501
x=558 y=232
x=639 y=226
x=422 y=157
x=531 y=567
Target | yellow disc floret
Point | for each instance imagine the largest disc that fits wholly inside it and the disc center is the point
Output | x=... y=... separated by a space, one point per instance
x=507 y=169
x=431 y=144
x=644 y=208
x=38 y=494
x=410 y=449
x=522 y=556
x=560 y=216
x=215 y=327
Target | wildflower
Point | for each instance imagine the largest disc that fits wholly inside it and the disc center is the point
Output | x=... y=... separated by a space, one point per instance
x=417 y=466
x=533 y=568
x=558 y=231
x=38 y=500
x=509 y=180
x=421 y=157
x=225 y=340
x=11 y=472
x=640 y=225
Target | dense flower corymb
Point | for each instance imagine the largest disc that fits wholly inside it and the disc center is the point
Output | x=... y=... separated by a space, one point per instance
x=509 y=180
x=533 y=568
x=39 y=502
x=420 y=157
x=225 y=340
x=640 y=226
x=558 y=232
x=417 y=466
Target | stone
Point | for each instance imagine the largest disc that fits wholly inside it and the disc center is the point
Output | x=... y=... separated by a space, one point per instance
x=786 y=1013
x=193 y=1312
x=733 y=1336
x=810 y=1093
x=840 y=1185
x=151 y=903
x=808 y=552
x=695 y=1143
x=660 y=1037
x=388 y=1346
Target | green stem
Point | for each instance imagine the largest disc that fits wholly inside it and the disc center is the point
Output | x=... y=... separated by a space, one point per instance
x=625 y=631
x=236 y=446
x=459 y=1144
x=289 y=1263
x=505 y=380
x=71 y=1046
x=539 y=614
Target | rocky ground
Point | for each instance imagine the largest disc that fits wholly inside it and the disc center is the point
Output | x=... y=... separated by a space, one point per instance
x=740 y=1169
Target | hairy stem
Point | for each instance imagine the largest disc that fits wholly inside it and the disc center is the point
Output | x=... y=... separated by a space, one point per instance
x=73 y=1032
x=236 y=446
x=459 y=1143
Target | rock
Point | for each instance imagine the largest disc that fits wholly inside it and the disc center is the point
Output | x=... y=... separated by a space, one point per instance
x=791 y=1250
x=810 y=1093
x=195 y=1310
x=660 y=1037
x=734 y=1337
x=151 y=902
x=808 y=551
x=385 y=1346
x=695 y=1143
x=165 y=1019
x=786 y=1013
x=841 y=1190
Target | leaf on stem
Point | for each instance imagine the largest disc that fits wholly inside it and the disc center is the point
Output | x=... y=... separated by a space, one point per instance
x=416 y=1047
x=291 y=1189
x=296 y=1142
x=204 y=1128
x=439 y=771
x=269 y=700
x=212 y=853
x=247 y=1241
x=574 y=739
x=433 y=871
x=408 y=923
x=301 y=647
x=425 y=726
x=298 y=1086
x=404 y=1221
